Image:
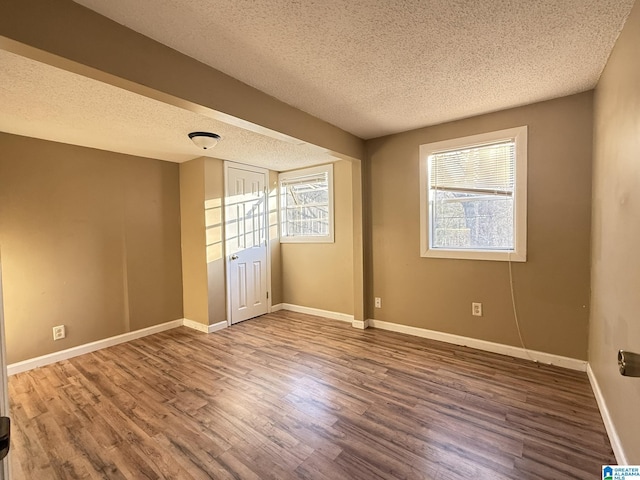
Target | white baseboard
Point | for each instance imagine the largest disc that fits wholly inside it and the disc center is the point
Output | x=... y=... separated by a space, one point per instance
x=541 y=357
x=32 y=363
x=361 y=324
x=201 y=327
x=217 y=326
x=614 y=439
x=343 y=317
x=518 y=352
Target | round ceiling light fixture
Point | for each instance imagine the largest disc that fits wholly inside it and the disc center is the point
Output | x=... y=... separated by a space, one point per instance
x=204 y=140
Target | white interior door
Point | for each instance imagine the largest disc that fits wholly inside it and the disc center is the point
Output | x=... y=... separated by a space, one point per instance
x=246 y=236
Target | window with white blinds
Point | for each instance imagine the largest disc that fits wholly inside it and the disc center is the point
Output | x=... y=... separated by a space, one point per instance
x=306 y=205
x=474 y=197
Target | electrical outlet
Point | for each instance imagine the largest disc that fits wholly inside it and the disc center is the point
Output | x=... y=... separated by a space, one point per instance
x=59 y=332
x=476 y=309
x=378 y=301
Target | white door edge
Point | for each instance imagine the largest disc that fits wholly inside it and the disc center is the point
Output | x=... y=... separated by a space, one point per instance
x=5 y=473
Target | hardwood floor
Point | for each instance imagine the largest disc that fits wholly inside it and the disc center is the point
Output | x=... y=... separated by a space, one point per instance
x=289 y=395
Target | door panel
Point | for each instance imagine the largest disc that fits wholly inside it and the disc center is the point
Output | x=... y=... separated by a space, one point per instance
x=246 y=241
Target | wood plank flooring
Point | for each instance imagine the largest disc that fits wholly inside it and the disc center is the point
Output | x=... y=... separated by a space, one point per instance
x=290 y=396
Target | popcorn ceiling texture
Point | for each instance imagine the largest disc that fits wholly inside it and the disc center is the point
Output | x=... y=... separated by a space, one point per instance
x=45 y=102
x=376 y=67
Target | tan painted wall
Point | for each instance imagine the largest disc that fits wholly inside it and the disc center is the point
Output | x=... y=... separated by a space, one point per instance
x=320 y=275
x=357 y=225
x=76 y=33
x=615 y=301
x=274 y=241
x=89 y=239
x=551 y=288
x=72 y=37
x=194 y=260
x=213 y=198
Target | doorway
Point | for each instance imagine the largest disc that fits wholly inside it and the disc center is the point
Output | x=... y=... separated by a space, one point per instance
x=246 y=241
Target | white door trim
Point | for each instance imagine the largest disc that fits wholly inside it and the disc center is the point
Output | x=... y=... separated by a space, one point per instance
x=5 y=473
x=249 y=168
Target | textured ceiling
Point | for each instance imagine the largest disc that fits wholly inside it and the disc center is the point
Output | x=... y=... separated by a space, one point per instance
x=376 y=67
x=42 y=101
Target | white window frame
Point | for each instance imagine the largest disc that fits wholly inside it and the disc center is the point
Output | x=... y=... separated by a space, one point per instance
x=519 y=253
x=305 y=172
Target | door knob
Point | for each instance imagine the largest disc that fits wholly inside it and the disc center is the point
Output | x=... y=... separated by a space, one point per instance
x=629 y=364
x=234 y=257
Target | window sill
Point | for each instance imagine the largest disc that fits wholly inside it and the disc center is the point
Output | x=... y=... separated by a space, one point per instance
x=307 y=240
x=490 y=255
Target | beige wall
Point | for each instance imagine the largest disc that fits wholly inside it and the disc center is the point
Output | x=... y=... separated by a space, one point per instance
x=551 y=288
x=89 y=239
x=274 y=241
x=213 y=201
x=320 y=275
x=73 y=32
x=72 y=37
x=357 y=225
x=194 y=256
x=615 y=301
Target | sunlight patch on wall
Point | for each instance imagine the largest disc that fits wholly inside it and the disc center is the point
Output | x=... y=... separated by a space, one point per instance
x=213 y=226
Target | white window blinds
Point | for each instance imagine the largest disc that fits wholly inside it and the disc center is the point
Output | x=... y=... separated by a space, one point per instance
x=488 y=168
x=471 y=195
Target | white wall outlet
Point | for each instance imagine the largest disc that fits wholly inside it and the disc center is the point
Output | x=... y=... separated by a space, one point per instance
x=59 y=332
x=378 y=302
x=476 y=309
